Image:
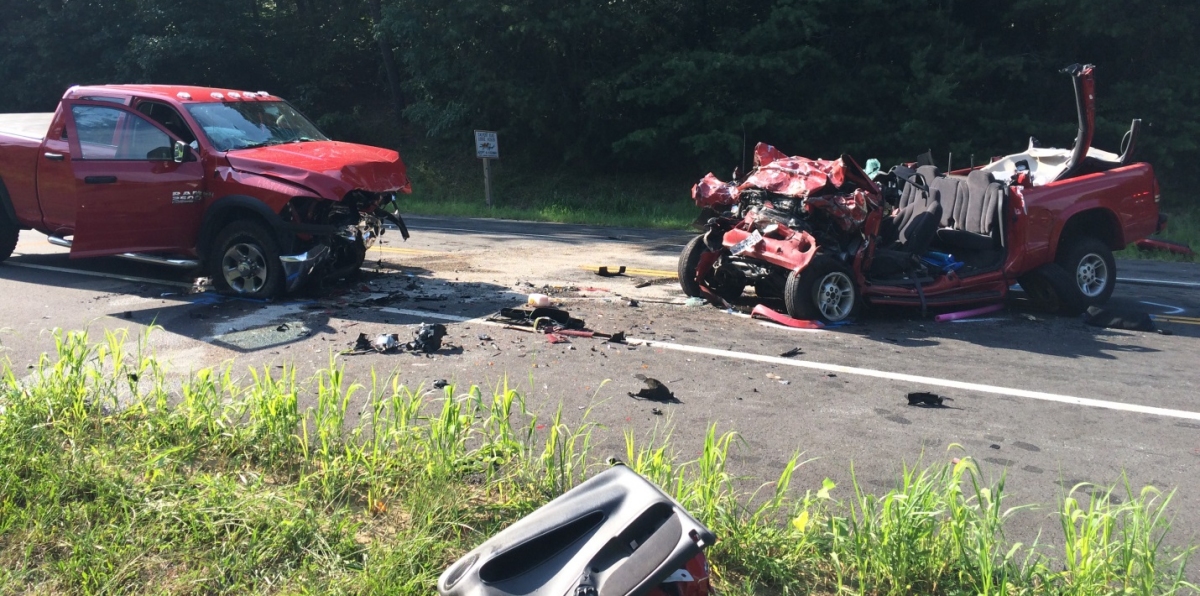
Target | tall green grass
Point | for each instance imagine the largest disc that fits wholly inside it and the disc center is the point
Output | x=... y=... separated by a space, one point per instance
x=113 y=481
x=1183 y=226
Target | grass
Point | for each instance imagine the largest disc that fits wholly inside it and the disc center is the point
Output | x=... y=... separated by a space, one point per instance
x=455 y=188
x=113 y=482
x=1183 y=225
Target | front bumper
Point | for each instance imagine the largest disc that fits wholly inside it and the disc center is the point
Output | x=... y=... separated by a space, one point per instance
x=297 y=268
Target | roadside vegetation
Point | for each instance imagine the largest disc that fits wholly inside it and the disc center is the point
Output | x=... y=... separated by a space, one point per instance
x=453 y=186
x=114 y=481
x=1183 y=227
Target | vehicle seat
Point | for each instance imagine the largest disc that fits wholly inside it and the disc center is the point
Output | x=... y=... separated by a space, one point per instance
x=913 y=201
x=912 y=193
x=920 y=229
x=971 y=208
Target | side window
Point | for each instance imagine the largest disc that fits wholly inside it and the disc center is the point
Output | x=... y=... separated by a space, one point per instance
x=107 y=133
x=168 y=118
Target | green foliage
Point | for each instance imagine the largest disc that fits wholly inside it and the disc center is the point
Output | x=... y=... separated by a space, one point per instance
x=650 y=85
x=113 y=483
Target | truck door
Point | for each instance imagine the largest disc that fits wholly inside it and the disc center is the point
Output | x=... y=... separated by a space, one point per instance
x=132 y=195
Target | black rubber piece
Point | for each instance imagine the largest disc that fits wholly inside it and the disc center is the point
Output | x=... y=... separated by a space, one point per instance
x=1051 y=289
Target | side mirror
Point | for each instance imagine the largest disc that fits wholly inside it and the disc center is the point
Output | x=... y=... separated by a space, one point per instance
x=179 y=152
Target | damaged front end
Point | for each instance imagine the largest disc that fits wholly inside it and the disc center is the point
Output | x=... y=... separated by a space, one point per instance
x=769 y=224
x=332 y=238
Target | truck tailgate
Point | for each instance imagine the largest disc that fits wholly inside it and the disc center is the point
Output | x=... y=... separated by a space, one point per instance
x=30 y=126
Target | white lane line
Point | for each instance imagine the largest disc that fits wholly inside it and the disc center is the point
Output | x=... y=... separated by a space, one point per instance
x=866 y=372
x=161 y=282
x=1158 y=282
x=852 y=370
x=433 y=315
x=1171 y=310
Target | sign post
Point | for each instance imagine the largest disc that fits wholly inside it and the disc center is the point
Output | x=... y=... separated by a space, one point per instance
x=487 y=148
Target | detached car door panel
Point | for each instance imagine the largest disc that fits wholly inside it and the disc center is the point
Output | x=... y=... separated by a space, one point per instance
x=132 y=195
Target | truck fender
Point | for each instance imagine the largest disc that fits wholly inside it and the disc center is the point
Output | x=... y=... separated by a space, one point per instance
x=1099 y=222
x=221 y=210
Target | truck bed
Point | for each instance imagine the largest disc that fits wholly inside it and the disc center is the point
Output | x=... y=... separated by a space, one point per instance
x=30 y=126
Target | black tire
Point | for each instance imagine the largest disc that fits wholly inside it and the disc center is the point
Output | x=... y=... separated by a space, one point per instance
x=728 y=283
x=1050 y=289
x=689 y=259
x=810 y=293
x=245 y=261
x=1090 y=266
x=9 y=232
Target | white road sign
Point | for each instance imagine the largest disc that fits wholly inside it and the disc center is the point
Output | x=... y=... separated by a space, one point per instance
x=487 y=146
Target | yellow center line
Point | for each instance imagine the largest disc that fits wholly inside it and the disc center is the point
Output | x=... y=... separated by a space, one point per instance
x=1174 y=319
x=632 y=271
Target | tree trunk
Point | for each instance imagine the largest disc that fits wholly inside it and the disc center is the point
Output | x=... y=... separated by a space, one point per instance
x=389 y=60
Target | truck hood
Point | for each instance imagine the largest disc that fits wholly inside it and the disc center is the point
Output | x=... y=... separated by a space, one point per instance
x=329 y=168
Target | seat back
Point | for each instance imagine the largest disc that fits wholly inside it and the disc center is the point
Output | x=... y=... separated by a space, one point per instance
x=952 y=193
x=983 y=210
x=913 y=194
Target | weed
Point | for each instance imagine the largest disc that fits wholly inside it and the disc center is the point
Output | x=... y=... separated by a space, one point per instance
x=110 y=484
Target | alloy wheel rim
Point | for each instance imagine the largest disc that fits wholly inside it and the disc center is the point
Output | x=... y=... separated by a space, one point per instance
x=834 y=296
x=245 y=268
x=1091 y=275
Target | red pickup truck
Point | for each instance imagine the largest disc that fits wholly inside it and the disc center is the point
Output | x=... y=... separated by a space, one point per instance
x=235 y=183
x=827 y=238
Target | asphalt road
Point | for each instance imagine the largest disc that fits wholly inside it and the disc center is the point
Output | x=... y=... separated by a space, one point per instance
x=1045 y=400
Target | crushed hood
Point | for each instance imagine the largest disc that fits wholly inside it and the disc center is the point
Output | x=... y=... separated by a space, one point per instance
x=329 y=168
x=793 y=176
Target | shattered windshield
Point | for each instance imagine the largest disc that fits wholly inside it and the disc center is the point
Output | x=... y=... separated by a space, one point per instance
x=245 y=124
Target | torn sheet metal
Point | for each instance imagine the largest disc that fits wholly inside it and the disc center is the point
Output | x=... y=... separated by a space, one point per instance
x=821 y=183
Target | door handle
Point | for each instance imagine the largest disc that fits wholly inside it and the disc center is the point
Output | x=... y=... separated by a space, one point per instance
x=53 y=156
x=100 y=180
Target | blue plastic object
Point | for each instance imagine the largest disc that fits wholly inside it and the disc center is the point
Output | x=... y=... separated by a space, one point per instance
x=940 y=260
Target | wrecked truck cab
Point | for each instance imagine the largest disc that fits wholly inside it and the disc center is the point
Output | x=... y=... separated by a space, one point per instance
x=815 y=234
x=238 y=184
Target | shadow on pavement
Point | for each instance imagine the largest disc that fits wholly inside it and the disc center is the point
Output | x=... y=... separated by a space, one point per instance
x=338 y=313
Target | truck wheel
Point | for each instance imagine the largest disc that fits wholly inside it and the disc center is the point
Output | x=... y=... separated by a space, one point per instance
x=1090 y=265
x=726 y=282
x=1050 y=289
x=245 y=261
x=8 y=237
x=689 y=259
x=823 y=290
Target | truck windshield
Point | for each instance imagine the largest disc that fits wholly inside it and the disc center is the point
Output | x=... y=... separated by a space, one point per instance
x=245 y=124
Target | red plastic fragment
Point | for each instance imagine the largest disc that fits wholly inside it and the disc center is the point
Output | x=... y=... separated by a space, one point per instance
x=762 y=312
x=1175 y=247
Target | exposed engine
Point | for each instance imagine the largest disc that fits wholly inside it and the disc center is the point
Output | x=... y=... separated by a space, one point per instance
x=795 y=214
x=348 y=228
